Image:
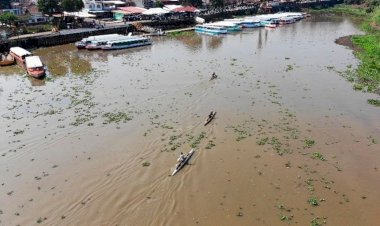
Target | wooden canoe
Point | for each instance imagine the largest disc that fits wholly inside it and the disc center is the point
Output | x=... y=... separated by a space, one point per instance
x=209 y=119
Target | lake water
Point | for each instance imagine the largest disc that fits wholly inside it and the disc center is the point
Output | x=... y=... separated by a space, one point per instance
x=94 y=143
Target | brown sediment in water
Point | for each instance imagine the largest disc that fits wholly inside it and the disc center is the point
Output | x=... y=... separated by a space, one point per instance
x=346 y=41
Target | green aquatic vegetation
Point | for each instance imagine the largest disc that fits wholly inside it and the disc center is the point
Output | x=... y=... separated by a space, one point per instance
x=276 y=144
x=40 y=220
x=242 y=134
x=309 y=143
x=180 y=34
x=81 y=120
x=313 y=201
x=210 y=144
x=374 y=102
x=310 y=185
x=117 y=117
x=145 y=164
x=289 y=68
x=18 y=131
x=166 y=127
x=263 y=141
x=317 y=155
x=358 y=86
x=198 y=140
x=285 y=218
x=175 y=146
x=318 y=221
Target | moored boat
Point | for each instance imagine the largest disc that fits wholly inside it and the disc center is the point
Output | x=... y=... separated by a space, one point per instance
x=7 y=60
x=34 y=66
x=183 y=162
x=249 y=23
x=86 y=41
x=19 y=55
x=287 y=20
x=127 y=42
x=230 y=26
x=210 y=29
x=270 y=25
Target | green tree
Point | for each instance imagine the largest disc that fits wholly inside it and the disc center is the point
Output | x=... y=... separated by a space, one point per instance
x=49 y=6
x=8 y=18
x=353 y=2
x=5 y=4
x=159 y=4
x=72 y=5
x=217 y=3
x=196 y=3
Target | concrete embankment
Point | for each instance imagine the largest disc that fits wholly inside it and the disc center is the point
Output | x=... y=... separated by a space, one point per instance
x=73 y=35
x=69 y=36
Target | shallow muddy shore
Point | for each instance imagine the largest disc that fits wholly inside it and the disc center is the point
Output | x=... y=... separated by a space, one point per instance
x=291 y=144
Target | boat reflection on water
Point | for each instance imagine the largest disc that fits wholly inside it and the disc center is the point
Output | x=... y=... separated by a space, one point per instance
x=36 y=81
x=214 y=42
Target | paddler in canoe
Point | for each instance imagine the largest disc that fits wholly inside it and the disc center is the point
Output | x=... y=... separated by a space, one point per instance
x=182 y=161
x=181 y=157
x=210 y=117
x=213 y=76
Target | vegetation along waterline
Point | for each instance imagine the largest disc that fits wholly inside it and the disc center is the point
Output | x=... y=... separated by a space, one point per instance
x=367 y=46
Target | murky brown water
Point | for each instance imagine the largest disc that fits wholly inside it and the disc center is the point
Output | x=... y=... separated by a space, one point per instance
x=73 y=146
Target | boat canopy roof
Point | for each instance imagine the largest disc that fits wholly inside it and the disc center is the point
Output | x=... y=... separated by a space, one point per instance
x=101 y=37
x=20 y=51
x=33 y=61
x=128 y=39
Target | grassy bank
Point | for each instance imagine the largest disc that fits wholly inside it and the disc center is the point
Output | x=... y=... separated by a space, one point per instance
x=342 y=9
x=367 y=76
x=369 y=70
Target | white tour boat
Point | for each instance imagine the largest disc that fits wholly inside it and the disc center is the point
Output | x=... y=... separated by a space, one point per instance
x=127 y=42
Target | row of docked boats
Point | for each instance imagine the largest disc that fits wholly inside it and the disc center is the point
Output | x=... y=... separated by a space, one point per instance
x=26 y=60
x=112 y=42
x=265 y=20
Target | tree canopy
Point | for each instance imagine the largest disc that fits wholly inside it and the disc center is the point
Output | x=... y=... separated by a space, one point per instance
x=72 y=5
x=55 y=6
x=49 y=6
x=217 y=3
x=158 y=3
x=8 y=18
x=195 y=3
x=5 y=4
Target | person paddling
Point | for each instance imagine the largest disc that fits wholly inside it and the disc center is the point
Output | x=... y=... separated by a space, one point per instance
x=211 y=114
x=213 y=76
x=181 y=157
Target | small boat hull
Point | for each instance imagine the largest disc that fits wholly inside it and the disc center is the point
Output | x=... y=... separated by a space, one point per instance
x=125 y=46
x=8 y=60
x=80 y=45
x=270 y=25
x=36 y=73
x=209 y=119
x=180 y=165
